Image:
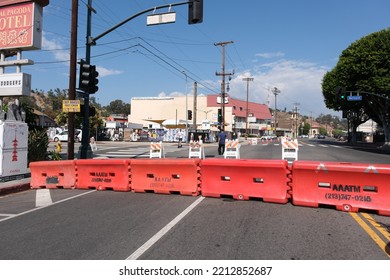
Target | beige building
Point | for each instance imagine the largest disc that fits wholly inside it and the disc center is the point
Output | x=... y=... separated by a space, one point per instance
x=170 y=112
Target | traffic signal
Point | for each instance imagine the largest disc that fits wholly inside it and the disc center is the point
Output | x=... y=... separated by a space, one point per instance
x=92 y=111
x=220 y=116
x=340 y=96
x=88 y=78
x=195 y=11
x=189 y=115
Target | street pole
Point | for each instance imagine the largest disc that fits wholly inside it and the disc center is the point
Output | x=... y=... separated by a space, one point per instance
x=72 y=76
x=194 y=118
x=184 y=72
x=295 y=120
x=247 y=101
x=275 y=91
x=223 y=74
x=85 y=148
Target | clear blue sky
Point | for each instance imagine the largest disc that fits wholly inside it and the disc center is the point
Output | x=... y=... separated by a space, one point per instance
x=280 y=43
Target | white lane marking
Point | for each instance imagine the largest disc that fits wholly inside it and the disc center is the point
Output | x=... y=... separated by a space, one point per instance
x=163 y=231
x=43 y=198
x=54 y=203
x=8 y=215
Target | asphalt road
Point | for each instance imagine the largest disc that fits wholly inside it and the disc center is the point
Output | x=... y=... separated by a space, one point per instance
x=105 y=225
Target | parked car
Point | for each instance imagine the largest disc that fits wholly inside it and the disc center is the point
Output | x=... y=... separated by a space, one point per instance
x=268 y=137
x=320 y=136
x=63 y=136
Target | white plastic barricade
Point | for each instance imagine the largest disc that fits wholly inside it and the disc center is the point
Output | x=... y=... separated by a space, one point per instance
x=232 y=149
x=290 y=149
x=157 y=150
x=196 y=150
x=254 y=141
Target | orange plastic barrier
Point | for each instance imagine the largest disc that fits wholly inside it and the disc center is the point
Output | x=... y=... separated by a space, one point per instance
x=347 y=186
x=165 y=176
x=53 y=174
x=103 y=174
x=245 y=179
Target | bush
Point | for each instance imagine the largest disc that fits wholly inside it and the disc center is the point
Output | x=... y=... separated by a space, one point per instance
x=38 y=142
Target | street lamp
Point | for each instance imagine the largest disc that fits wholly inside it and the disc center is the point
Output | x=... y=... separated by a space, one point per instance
x=206 y=112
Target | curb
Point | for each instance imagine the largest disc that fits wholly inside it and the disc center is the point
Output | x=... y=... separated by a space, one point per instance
x=16 y=187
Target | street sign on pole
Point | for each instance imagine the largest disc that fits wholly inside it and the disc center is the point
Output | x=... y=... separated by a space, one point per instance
x=15 y=84
x=354 y=98
x=71 y=106
x=219 y=100
x=161 y=18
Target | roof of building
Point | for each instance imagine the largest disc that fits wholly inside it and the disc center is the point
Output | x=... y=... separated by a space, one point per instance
x=260 y=111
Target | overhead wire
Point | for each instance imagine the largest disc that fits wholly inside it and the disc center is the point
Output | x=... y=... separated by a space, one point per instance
x=106 y=15
x=173 y=60
x=178 y=67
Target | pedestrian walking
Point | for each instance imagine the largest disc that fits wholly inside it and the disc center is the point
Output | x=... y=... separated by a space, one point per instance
x=180 y=136
x=221 y=142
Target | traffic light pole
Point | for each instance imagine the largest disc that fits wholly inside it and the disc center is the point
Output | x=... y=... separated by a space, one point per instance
x=92 y=40
x=85 y=148
x=223 y=74
x=195 y=16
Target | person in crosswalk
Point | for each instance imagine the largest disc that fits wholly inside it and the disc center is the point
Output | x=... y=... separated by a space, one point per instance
x=180 y=136
x=221 y=142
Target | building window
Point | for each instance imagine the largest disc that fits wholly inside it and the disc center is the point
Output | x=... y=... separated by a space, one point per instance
x=240 y=108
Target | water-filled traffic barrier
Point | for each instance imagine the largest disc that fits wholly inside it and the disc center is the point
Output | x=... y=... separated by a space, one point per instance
x=103 y=174
x=166 y=176
x=52 y=174
x=245 y=179
x=347 y=186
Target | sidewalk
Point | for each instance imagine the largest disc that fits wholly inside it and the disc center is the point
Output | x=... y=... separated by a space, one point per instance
x=14 y=186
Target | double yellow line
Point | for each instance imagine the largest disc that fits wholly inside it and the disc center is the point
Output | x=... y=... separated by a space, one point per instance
x=381 y=242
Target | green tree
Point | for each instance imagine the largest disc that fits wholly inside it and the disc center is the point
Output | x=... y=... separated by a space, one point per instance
x=305 y=129
x=118 y=107
x=364 y=67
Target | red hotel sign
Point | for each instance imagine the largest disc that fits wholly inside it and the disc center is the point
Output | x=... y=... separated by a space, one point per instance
x=21 y=26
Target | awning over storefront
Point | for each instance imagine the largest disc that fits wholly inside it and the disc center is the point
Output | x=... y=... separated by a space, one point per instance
x=170 y=123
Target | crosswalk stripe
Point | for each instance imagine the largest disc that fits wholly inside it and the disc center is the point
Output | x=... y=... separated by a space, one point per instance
x=334 y=146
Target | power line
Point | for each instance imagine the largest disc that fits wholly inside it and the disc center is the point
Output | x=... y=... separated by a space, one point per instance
x=179 y=68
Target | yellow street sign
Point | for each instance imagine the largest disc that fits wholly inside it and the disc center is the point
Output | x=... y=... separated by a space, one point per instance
x=71 y=106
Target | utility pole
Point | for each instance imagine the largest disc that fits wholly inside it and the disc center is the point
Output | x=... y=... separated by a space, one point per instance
x=275 y=91
x=194 y=122
x=295 y=120
x=247 y=103
x=72 y=75
x=311 y=123
x=223 y=74
x=184 y=72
